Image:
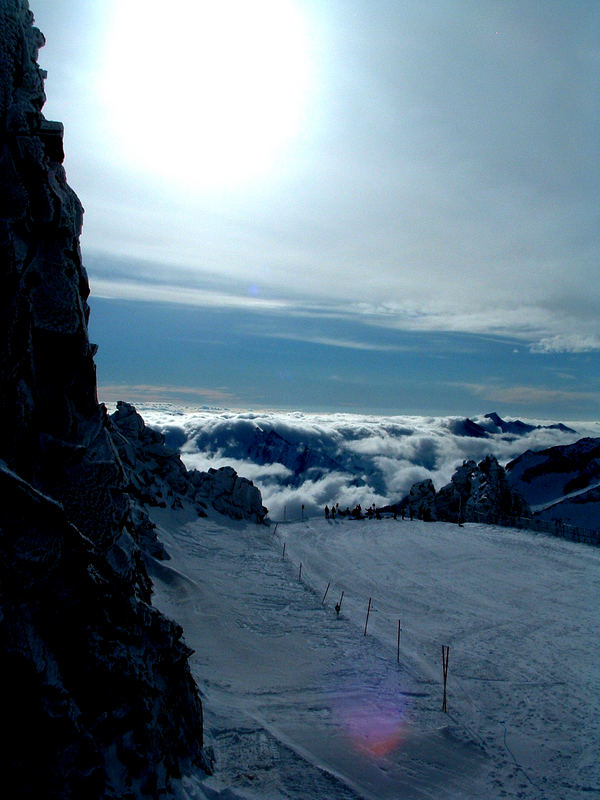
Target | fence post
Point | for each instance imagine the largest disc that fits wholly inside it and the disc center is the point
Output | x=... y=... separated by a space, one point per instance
x=325 y=595
x=398 y=654
x=338 y=605
x=445 y=656
x=367 y=619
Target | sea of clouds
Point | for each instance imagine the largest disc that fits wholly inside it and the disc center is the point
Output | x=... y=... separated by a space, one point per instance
x=300 y=459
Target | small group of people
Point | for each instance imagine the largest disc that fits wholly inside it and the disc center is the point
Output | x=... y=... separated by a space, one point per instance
x=336 y=511
x=357 y=512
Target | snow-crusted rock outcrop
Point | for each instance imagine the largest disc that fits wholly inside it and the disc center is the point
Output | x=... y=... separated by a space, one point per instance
x=158 y=477
x=476 y=492
x=100 y=702
x=421 y=500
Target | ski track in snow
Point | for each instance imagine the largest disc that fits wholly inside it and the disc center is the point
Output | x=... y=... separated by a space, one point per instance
x=300 y=704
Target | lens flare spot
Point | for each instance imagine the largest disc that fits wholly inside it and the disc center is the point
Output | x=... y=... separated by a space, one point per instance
x=373 y=729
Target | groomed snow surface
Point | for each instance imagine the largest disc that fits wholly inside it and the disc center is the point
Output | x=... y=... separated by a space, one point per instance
x=301 y=704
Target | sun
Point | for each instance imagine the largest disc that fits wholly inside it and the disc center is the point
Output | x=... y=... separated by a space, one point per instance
x=205 y=93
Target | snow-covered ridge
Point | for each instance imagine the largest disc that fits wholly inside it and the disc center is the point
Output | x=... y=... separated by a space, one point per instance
x=561 y=482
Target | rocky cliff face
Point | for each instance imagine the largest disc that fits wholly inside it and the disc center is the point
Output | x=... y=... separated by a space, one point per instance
x=101 y=702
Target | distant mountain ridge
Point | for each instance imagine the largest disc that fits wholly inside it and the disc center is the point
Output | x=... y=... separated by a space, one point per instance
x=519 y=428
x=494 y=424
x=265 y=445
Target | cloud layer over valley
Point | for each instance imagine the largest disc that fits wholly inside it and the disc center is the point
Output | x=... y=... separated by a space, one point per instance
x=316 y=459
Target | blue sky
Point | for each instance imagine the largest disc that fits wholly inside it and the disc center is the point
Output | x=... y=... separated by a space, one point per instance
x=386 y=206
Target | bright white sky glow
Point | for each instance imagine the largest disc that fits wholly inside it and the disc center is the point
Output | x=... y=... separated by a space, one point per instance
x=417 y=180
x=207 y=96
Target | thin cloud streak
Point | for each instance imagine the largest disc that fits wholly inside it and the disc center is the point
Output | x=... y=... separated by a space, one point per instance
x=145 y=393
x=161 y=293
x=529 y=395
x=542 y=330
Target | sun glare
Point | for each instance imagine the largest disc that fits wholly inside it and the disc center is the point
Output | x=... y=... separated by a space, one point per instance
x=207 y=94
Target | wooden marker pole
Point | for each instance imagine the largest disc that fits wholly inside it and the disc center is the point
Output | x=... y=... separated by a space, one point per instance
x=398 y=654
x=275 y=531
x=300 y=573
x=338 y=605
x=325 y=595
x=367 y=619
x=283 y=556
x=445 y=656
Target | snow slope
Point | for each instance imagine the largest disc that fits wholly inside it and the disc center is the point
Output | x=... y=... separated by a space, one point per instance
x=301 y=704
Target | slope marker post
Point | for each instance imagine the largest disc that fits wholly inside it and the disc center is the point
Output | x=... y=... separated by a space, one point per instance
x=325 y=595
x=338 y=605
x=300 y=573
x=445 y=657
x=398 y=652
x=367 y=619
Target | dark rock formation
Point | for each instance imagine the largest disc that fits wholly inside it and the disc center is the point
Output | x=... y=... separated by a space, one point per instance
x=100 y=702
x=477 y=492
x=420 y=502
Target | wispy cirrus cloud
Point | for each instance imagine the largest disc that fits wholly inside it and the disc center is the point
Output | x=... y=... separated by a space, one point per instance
x=530 y=395
x=181 y=295
x=111 y=392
